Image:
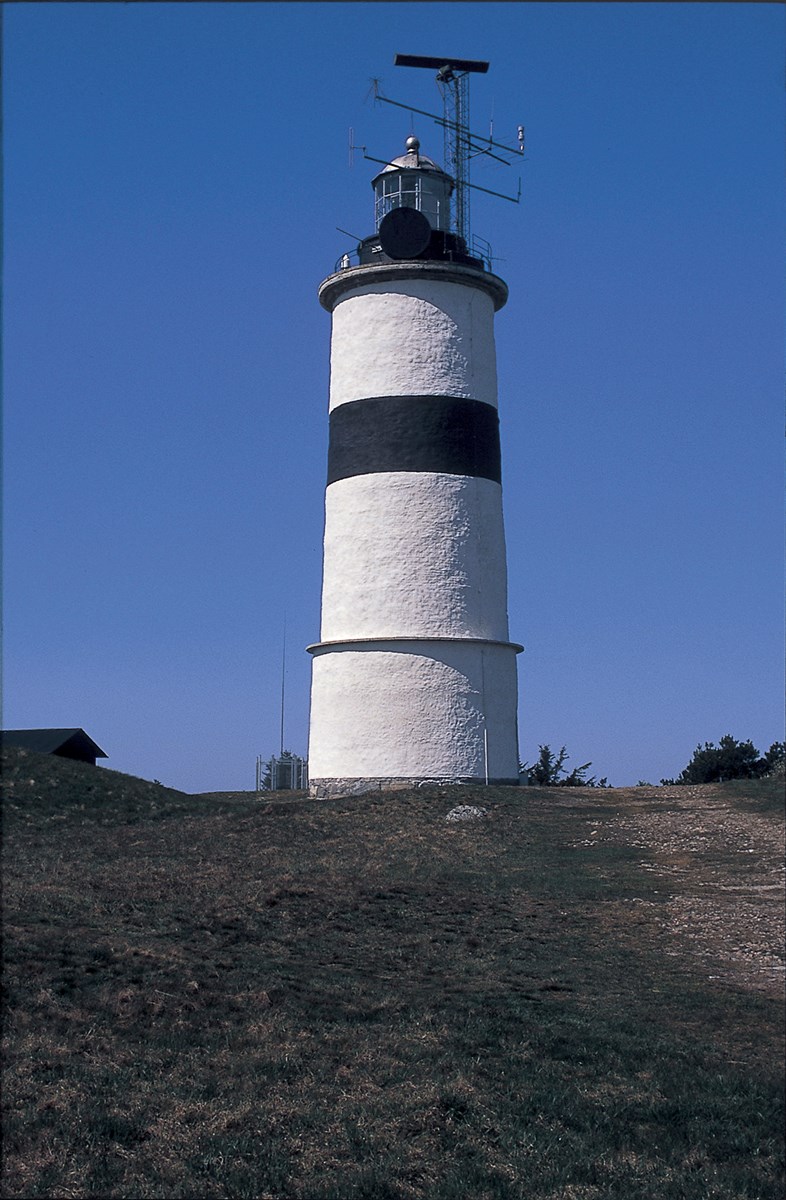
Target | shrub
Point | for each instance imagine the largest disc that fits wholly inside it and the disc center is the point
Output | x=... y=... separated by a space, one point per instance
x=549 y=771
x=730 y=759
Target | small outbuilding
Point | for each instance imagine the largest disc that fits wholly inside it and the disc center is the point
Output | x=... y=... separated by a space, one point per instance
x=66 y=743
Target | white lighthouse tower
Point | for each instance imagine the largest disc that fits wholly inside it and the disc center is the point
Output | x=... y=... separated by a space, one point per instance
x=414 y=676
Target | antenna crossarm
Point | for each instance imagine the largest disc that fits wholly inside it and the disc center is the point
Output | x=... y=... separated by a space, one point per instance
x=479 y=137
x=385 y=99
x=470 y=138
x=384 y=161
x=487 y=152
x=476 y=187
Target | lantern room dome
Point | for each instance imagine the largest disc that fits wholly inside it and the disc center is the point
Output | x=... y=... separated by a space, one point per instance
x=414 y=181
x=413 y=160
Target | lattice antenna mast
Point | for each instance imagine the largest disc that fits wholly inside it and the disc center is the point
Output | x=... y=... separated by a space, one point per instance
x=454 y=88
x=453 y=82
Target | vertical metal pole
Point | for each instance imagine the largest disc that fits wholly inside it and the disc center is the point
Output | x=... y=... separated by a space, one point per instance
x=283 y=671
x=486 y=750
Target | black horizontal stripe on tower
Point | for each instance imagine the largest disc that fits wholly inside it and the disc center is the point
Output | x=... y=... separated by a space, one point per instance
x=448 y=434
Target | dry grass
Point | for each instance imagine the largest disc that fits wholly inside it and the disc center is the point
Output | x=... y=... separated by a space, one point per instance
x=229 y=996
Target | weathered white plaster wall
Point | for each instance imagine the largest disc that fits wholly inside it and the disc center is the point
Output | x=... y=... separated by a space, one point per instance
x=411 y=554
x=414 y=710
x=413 y=337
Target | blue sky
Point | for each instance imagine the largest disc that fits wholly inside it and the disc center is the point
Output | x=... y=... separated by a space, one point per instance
x=174 y=177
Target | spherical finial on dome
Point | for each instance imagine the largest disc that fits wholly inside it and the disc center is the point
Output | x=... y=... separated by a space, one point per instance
x=412 y=144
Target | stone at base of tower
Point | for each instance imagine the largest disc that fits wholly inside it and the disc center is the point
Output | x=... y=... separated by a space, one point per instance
x=323 y=789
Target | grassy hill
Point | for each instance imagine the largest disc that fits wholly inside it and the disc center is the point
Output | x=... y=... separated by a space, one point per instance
x=579 y=996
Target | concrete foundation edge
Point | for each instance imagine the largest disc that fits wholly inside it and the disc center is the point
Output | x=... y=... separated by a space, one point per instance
x=325 y=788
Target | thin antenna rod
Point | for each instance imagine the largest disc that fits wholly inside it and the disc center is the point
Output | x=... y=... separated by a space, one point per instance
x=283 y=674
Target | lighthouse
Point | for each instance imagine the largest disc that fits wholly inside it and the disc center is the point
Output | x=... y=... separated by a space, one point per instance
x=414 y=675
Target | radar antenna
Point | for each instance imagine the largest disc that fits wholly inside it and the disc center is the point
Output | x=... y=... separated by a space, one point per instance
x=459 y=144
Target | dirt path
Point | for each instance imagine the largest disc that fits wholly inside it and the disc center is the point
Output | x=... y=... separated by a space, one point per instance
x=721 y=867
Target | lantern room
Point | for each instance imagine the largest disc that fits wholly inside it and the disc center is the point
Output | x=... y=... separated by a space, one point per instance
x=412 y=215
x=414 y=181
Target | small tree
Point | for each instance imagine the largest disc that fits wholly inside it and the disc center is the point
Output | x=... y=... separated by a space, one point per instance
x=548 y=768
x=775 y=758
x=730 y=759
x=549 y=771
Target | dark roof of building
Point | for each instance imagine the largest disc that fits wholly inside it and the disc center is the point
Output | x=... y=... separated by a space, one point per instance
x=49 y=741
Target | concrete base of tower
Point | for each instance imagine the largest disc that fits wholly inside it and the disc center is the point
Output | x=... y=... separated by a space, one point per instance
x=325 y=788
x=413 y=709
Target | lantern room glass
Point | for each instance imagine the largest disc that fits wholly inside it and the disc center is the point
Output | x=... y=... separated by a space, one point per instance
x=429 y=193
